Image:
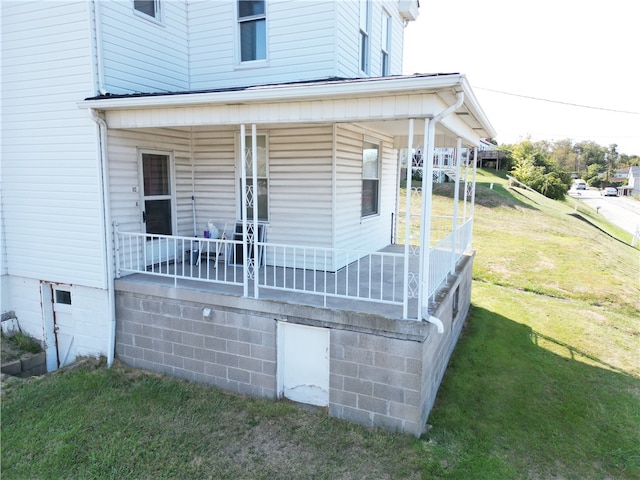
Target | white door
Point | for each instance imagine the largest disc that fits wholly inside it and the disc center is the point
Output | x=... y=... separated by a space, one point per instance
x=157 y=191
x=303 y=363
x=59 y=328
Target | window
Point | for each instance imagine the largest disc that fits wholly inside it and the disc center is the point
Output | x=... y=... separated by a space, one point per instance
x=386 y=43
x=262 y=196
x=370 y=178
x=365 y=24
x=148 y=7
x=252 y=22
x=62 y=296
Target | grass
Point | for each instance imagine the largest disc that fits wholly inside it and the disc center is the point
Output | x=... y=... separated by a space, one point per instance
x=544 y=384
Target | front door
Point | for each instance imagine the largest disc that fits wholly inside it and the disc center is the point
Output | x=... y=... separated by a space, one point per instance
x=157 y=205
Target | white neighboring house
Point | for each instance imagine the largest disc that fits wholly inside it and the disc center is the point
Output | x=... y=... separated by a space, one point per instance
x=129 y=127
x=633 y=180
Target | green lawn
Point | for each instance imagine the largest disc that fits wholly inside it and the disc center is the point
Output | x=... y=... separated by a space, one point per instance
x=544 y=383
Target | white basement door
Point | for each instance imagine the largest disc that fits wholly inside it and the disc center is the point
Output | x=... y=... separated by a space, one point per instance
x=303 y=363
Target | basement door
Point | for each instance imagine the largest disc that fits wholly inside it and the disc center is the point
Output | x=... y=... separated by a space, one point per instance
x=59 y=328
x=303 y=363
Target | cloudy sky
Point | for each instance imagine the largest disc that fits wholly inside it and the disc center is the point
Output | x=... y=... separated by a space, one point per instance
x=583 y=53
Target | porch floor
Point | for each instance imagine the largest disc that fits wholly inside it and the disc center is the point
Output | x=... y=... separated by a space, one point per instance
x=370 y=286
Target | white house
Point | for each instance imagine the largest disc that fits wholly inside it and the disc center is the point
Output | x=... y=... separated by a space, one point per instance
x=633 y=180
x=133 y=130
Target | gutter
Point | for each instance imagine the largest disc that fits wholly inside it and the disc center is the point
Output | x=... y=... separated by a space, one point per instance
x=106 y=227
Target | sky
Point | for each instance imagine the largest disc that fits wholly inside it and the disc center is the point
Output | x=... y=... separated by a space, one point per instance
x=579 y=52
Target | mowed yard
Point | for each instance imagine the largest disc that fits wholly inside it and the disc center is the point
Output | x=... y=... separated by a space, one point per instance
x=544 y=383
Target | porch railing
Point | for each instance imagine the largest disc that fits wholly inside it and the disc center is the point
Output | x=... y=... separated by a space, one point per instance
x=326 y=272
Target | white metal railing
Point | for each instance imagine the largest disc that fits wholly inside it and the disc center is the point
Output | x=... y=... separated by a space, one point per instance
x=370 y=276
x=443 y=258
x=177 y=257
x=326 y=272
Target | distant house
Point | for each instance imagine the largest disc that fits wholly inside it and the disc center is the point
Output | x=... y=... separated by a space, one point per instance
x=210 y=190
x=488 y=155
x=620 y=174
x=633 y=180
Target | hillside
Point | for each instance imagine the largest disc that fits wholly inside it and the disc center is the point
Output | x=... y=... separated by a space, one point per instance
x=545 y=382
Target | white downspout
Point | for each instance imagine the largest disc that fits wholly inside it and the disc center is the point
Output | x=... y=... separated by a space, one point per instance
x=427 y=192
x=96 y=40
x=105 y=207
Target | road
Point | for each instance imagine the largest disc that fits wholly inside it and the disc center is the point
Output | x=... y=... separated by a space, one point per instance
x=621 y=211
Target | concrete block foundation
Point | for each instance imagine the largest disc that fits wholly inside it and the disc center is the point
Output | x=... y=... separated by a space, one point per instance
x=384 y=372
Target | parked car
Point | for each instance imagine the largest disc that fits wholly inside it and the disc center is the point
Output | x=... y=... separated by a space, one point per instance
x=609 y=192
x=581 y=186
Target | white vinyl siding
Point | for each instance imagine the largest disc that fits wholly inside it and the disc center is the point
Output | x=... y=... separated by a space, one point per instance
x=300 y=38
x=50 y=172
x=214 y=162
x=352 y=231
x=300 y=166
x=123 y=148
x=141 y=55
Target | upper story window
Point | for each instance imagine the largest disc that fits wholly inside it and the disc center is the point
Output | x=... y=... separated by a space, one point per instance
x=252 y=20
x=386 y=43
x=370 y=178
x=365 y=27
x=148 y=7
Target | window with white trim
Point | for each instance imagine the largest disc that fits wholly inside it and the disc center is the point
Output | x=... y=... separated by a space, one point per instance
x=252 y=24
x=370 y=178
x=262 y=196
x=365 y=27
x=386 y=44
x=148 y=7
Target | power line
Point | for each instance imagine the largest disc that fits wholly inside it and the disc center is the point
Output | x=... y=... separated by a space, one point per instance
x=557 y=101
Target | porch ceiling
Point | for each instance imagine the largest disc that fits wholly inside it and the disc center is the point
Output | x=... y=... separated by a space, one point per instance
x=384 y=104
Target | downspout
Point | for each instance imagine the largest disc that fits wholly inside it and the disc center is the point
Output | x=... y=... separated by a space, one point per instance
x=105 y=203
x=427 y=192
x=96 y=41
x=105 y=207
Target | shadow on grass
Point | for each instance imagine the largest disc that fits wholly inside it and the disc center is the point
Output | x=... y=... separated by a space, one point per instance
x=509 y=400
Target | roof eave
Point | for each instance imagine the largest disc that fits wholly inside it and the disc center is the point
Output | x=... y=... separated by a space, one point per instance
x=301 y=92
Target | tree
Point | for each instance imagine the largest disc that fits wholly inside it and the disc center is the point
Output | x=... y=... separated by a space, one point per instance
x=534 y=166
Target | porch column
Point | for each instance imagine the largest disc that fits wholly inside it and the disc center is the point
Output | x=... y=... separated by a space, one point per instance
x=425 y=222
x=407 y=235
x=254 y=261
x=249 y=199
x=243 y=210
x=456 y=197
x=473 y=192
